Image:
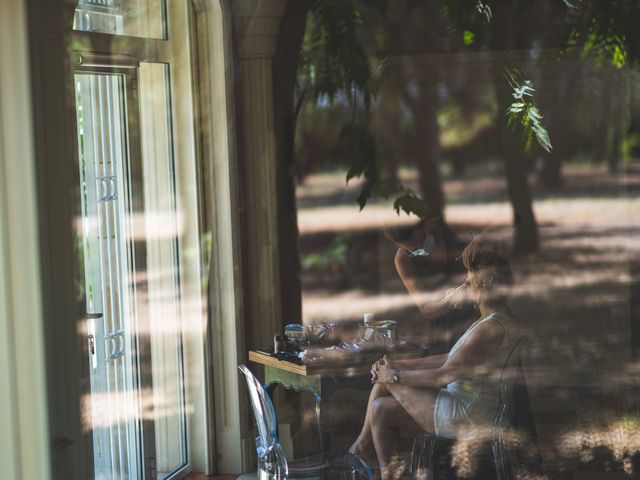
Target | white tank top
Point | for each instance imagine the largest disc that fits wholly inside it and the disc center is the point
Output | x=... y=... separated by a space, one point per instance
x=482 y=386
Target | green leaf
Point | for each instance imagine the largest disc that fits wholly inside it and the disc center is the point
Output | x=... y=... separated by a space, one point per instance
x=485 y=11
x=364 y=194
x=523 y=114
x=468 y=37
x=619 y=56
x=410 y=203
x=354 y=171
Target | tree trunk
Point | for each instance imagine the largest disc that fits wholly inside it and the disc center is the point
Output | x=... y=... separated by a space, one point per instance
x=387 y=121
x=550 y=176
x=285 y=70
x=615 y=153
x=618 y=120
x=426 y=148
x=526 y=228
x=555 y=86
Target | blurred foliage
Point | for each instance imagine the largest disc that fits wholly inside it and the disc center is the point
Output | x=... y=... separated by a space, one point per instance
x=458 y=127
x=333 y=259
x=467 y=18
x=363 y=161
x=338 y=66
x=606 y=29
x=630 y=146
x=333 y=60
x=600 y=48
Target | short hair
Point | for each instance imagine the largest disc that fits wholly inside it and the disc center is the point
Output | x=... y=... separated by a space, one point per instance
x=401 y=234
x=477 y=260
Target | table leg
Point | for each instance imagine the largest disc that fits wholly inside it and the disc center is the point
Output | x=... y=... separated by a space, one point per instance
x=298 y=383
x=323 y=433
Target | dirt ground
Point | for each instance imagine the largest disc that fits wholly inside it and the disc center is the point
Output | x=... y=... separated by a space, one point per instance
x=578 y=298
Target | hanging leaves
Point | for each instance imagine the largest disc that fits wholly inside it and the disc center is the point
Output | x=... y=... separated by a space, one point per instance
x=410 y=203
x=523 y=113
x=467 y=18
x=484 y=11
x=361 y=145
x=333 y=61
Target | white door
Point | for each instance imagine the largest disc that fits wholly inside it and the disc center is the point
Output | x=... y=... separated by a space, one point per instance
x=130 y=235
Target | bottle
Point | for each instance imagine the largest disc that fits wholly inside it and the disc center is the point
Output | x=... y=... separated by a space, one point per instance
x=280 y=343
x=367 y=327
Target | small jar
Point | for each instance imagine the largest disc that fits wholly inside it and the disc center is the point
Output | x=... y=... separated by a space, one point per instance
x=280 y=343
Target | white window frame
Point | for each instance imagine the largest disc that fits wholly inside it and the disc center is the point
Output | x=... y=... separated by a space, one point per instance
x=24 y=442
x=172 y=52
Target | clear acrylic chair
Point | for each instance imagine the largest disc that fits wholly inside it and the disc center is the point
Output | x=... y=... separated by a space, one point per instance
x=501 y=447
x=272 y=461
x=427 y=451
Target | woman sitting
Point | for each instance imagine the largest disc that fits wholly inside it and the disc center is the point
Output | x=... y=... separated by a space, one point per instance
x=409 y=394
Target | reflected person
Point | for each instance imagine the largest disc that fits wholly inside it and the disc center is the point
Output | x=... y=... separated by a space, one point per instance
x=408 y=394
x=426 y=256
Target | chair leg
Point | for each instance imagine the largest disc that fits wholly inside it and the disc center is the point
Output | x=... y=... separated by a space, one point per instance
x=417 y=454
x=431 y=465
x=500 y=460
x=422 y=455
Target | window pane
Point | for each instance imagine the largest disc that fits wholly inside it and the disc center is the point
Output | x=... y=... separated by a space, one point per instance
x=161 y=231
x=103 y=153
x=135 y=18
x=513 y=140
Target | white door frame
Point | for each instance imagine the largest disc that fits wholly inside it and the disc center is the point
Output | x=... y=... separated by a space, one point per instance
x=24 y=432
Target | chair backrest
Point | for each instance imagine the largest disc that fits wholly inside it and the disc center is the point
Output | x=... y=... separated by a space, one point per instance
x=263 y=412
x=510 y=371
x=504 y=455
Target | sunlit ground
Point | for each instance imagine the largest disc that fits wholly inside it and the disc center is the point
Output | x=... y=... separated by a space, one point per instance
x=575 y=298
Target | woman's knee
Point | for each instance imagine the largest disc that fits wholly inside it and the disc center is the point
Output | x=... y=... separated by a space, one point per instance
x=382 y=409
x=379 y=390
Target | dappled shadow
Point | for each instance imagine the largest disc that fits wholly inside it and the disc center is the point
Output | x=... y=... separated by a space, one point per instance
x=329 y=189
x=578 y=300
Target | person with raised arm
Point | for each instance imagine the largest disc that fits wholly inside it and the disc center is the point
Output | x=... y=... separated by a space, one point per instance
x=427 y=255
x=449 y=393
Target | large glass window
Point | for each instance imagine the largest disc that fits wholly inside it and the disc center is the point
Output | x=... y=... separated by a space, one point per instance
x=510 y=129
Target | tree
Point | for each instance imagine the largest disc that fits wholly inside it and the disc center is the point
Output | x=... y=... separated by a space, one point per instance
x=286 y=61
x=321 y=54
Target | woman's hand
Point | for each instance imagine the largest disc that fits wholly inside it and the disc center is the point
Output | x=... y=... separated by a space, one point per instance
x=455 y=298
x=383 y=371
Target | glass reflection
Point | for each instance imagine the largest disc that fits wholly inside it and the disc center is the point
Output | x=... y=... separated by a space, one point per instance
x=136 y=18
x=564 y=210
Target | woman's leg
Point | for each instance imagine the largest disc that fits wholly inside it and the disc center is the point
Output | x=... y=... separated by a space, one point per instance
x=408 y=408
x=363 y=446
x=419 y=403
x=388 y=419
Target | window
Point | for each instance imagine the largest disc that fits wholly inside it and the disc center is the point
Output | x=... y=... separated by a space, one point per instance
x=137 y=240
x=137 y=18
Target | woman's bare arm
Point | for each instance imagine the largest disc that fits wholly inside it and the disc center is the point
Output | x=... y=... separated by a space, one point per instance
x=433 y=310
x=432 y=361
x=409 y=276
x=477 y=348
